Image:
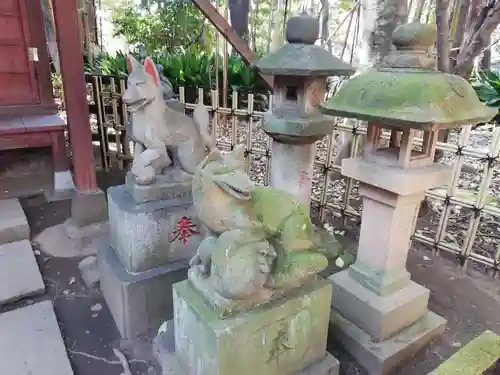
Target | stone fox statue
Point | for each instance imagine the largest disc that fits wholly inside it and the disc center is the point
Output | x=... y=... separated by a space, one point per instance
x=163 y=136
x=261 y=238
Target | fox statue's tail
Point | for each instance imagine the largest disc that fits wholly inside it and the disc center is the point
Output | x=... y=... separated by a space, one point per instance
x=202 y=119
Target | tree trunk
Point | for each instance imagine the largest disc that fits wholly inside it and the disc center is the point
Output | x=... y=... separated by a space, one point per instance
x=477 y=36
x=450 y=11
x=379 y=18
x=443 y=53
x=276 y=34
x=485 y=62
x=429 y=17
x=443 y=36
x=418 y=11
x=271 y=18
x=239 y=10
x=253 y=31
x=472 y=13
x=325 y=32
x=458 y=34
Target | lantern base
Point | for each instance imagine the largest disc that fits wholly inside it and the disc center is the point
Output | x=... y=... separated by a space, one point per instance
x=380 y=358
x=381 y=330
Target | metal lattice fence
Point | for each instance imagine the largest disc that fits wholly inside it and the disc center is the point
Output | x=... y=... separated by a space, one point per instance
x=464 y=216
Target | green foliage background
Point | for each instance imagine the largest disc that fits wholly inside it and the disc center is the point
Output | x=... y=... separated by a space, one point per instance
x=165 y=27
x=189 y=69
x=175 y=35
x=486 y=83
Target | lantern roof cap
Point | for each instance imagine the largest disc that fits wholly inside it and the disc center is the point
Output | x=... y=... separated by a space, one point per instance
x=406 y=90
x=300 y=57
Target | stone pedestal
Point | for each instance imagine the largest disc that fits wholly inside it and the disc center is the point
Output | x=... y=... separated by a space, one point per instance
x=292 y=169
x=88 y=208
x=151 y=234
x=286 y=336
x=151 y=244
x=379 y=314
x=172 y=186
x=138 y=301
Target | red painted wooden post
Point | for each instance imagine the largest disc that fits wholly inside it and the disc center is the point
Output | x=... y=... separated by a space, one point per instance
x=75 y=93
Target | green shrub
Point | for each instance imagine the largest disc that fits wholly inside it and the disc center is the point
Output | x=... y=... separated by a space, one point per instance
x=190 y=70
x=486 y=83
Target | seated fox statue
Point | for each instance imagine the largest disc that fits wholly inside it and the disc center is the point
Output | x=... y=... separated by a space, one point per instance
x=165 y=140
x=261 y=240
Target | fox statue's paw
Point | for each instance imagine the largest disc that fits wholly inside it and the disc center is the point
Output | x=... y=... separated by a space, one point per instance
x=146 y=176
x=203 y=257
x=295 y=267
x=195 y=261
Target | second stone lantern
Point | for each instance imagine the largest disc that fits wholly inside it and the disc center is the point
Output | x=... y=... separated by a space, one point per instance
x=300 y=70
x=379 y=313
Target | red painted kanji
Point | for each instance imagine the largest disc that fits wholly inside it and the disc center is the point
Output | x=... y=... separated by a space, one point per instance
x=185 y=229
x=303 y=177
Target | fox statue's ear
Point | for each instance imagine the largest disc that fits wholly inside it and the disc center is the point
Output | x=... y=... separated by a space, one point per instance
x=151 y=71
x=238 y=152
x=132 y=63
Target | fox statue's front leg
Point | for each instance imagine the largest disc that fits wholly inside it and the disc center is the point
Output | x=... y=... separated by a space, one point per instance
x=148 y=163
x=203 y=256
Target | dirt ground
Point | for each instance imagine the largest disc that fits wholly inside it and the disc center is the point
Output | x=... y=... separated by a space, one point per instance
x=469 y=301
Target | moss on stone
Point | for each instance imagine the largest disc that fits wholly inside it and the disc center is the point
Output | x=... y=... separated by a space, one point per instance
x=417 y=99
x=316 y=125
x=473 y=359
x=409 y=99
x=303 y=60
x=281 y=337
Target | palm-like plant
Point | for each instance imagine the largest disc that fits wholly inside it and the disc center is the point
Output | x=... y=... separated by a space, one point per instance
x=486 y=83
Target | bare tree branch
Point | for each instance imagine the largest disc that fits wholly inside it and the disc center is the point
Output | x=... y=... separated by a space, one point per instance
x=477 y=37
x=458 y=35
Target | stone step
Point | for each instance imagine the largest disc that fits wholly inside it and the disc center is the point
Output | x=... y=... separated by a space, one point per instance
x=481 y=356
x=13 y=222
x=31 y=343
x=19 y=273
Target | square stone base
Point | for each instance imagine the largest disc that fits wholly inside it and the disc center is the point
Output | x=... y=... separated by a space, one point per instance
x=151 y=234
x=164 y=352
x=89 y=208
x=139 y=301
x=174 y=185
x=283 y=337
x=328 y=365
x=379 y=316
x=379 y=358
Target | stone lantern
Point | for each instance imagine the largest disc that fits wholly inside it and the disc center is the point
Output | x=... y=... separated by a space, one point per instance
x=379 y=314
x=294 y=121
